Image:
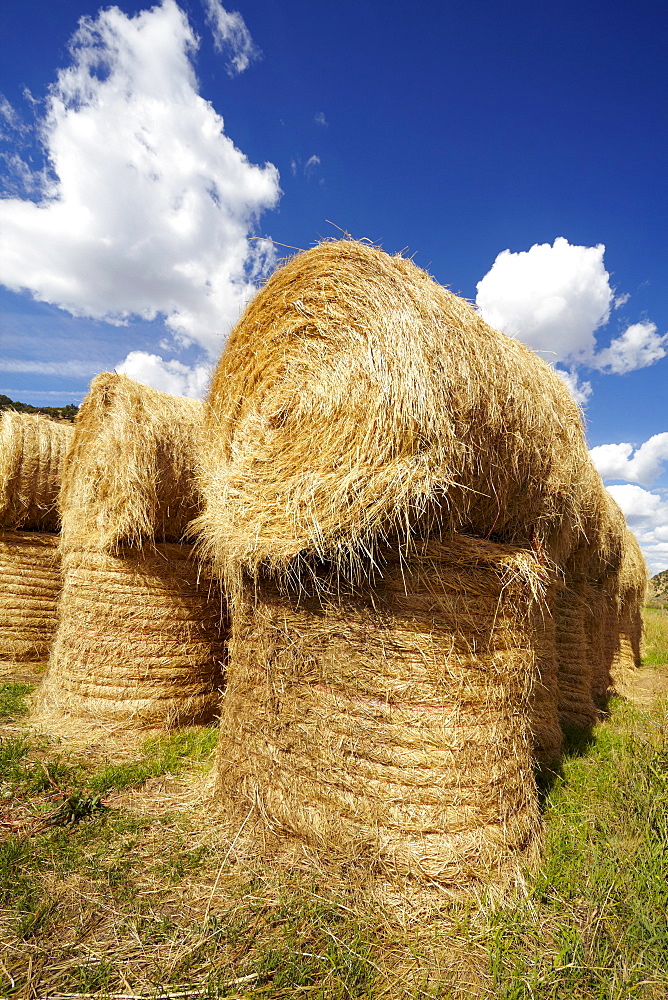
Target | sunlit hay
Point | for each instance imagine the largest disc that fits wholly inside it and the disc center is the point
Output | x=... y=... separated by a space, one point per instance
x=32 y=450
x=29 y=587
x=129 y=472
x=358 y=400
x=586 y=620
x=628 y=601
x=599 y=574
x=395 y=719
x=139 y=638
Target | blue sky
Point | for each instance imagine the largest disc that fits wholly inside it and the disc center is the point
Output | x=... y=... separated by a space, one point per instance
x=150 y=155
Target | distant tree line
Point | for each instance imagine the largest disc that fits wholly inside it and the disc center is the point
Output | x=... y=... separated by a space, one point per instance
x=67 y=412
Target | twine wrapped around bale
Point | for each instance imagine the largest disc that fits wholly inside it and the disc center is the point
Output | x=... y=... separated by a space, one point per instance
x=395 y=718
x=357 y=399
x=129 y=476
x=139 y=638
x=32 y=451
x=29 y=587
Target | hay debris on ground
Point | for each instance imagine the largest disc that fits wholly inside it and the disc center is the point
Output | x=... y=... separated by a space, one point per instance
x=396 y=721
x=357 y=399
x=32 y=452
x=30 y=584
x=139 y=639
x=129 y=473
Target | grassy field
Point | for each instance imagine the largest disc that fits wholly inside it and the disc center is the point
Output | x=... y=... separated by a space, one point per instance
x=114 y=882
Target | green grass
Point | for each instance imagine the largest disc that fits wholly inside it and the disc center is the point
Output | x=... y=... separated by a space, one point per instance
x=100 y=896
x=13 y=701
x=656 y=636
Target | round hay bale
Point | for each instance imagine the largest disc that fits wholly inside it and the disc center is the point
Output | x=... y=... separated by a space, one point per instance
x=139 y=639
x=30 y=583
x=628 y=599
x=32 y=452
x=129 y=476
x=357 y=400
x=587 y=626
x=394 y=719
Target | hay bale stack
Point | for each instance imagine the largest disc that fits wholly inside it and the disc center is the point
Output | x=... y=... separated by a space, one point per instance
x=627 y=599
x=29 y=588
x=141 y=629
x=393 y=719
x=138 y=639
x=32 y=452
x=129 y=477
x=585 y=623
x=358 y=400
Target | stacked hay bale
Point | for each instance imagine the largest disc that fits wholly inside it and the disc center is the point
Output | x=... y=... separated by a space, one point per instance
x=626 y=598
x=32 y=451
x=389 y=672
x=138 y=637
x=583 y=614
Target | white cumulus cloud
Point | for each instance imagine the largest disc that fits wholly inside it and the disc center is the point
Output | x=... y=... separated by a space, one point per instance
x=642 y=465
x=639 y=346
x=232 y=36
x=552 y=297
x=647 y=516
x=168 y=376
x=149 y=209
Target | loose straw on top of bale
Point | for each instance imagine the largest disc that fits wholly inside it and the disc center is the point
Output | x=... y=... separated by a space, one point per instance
x=358 y=399
x=396 y=719
x=29 y=588
x=139 y=639
x=129 y=472
x=32 y=451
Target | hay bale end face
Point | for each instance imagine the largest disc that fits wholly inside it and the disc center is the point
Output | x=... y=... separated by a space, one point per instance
x=129 y=477
x=30 y=584
x=357 y=399
x=32 y=452
x=139 y=639
x=394 y=720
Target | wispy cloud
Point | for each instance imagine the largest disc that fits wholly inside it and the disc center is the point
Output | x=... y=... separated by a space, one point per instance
x=319 y=119
x=311 y=164
x=63 y=369
x=231 y=36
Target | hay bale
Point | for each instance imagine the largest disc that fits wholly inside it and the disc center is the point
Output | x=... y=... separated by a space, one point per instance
x=358 y=400
x=129 y=473
x=139 y=639
x=627 y=599
x=32 y=451
x=29 y=587
x=586 y=623
x=394 y=719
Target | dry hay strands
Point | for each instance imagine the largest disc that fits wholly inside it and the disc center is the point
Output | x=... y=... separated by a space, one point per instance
x=30 y=584
x=129 y=472
x=32 y=452
x=139 y=639
x=575 y=668
x=358 y=399
x=626 y=596
x=394 y=722
x=591 y=572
